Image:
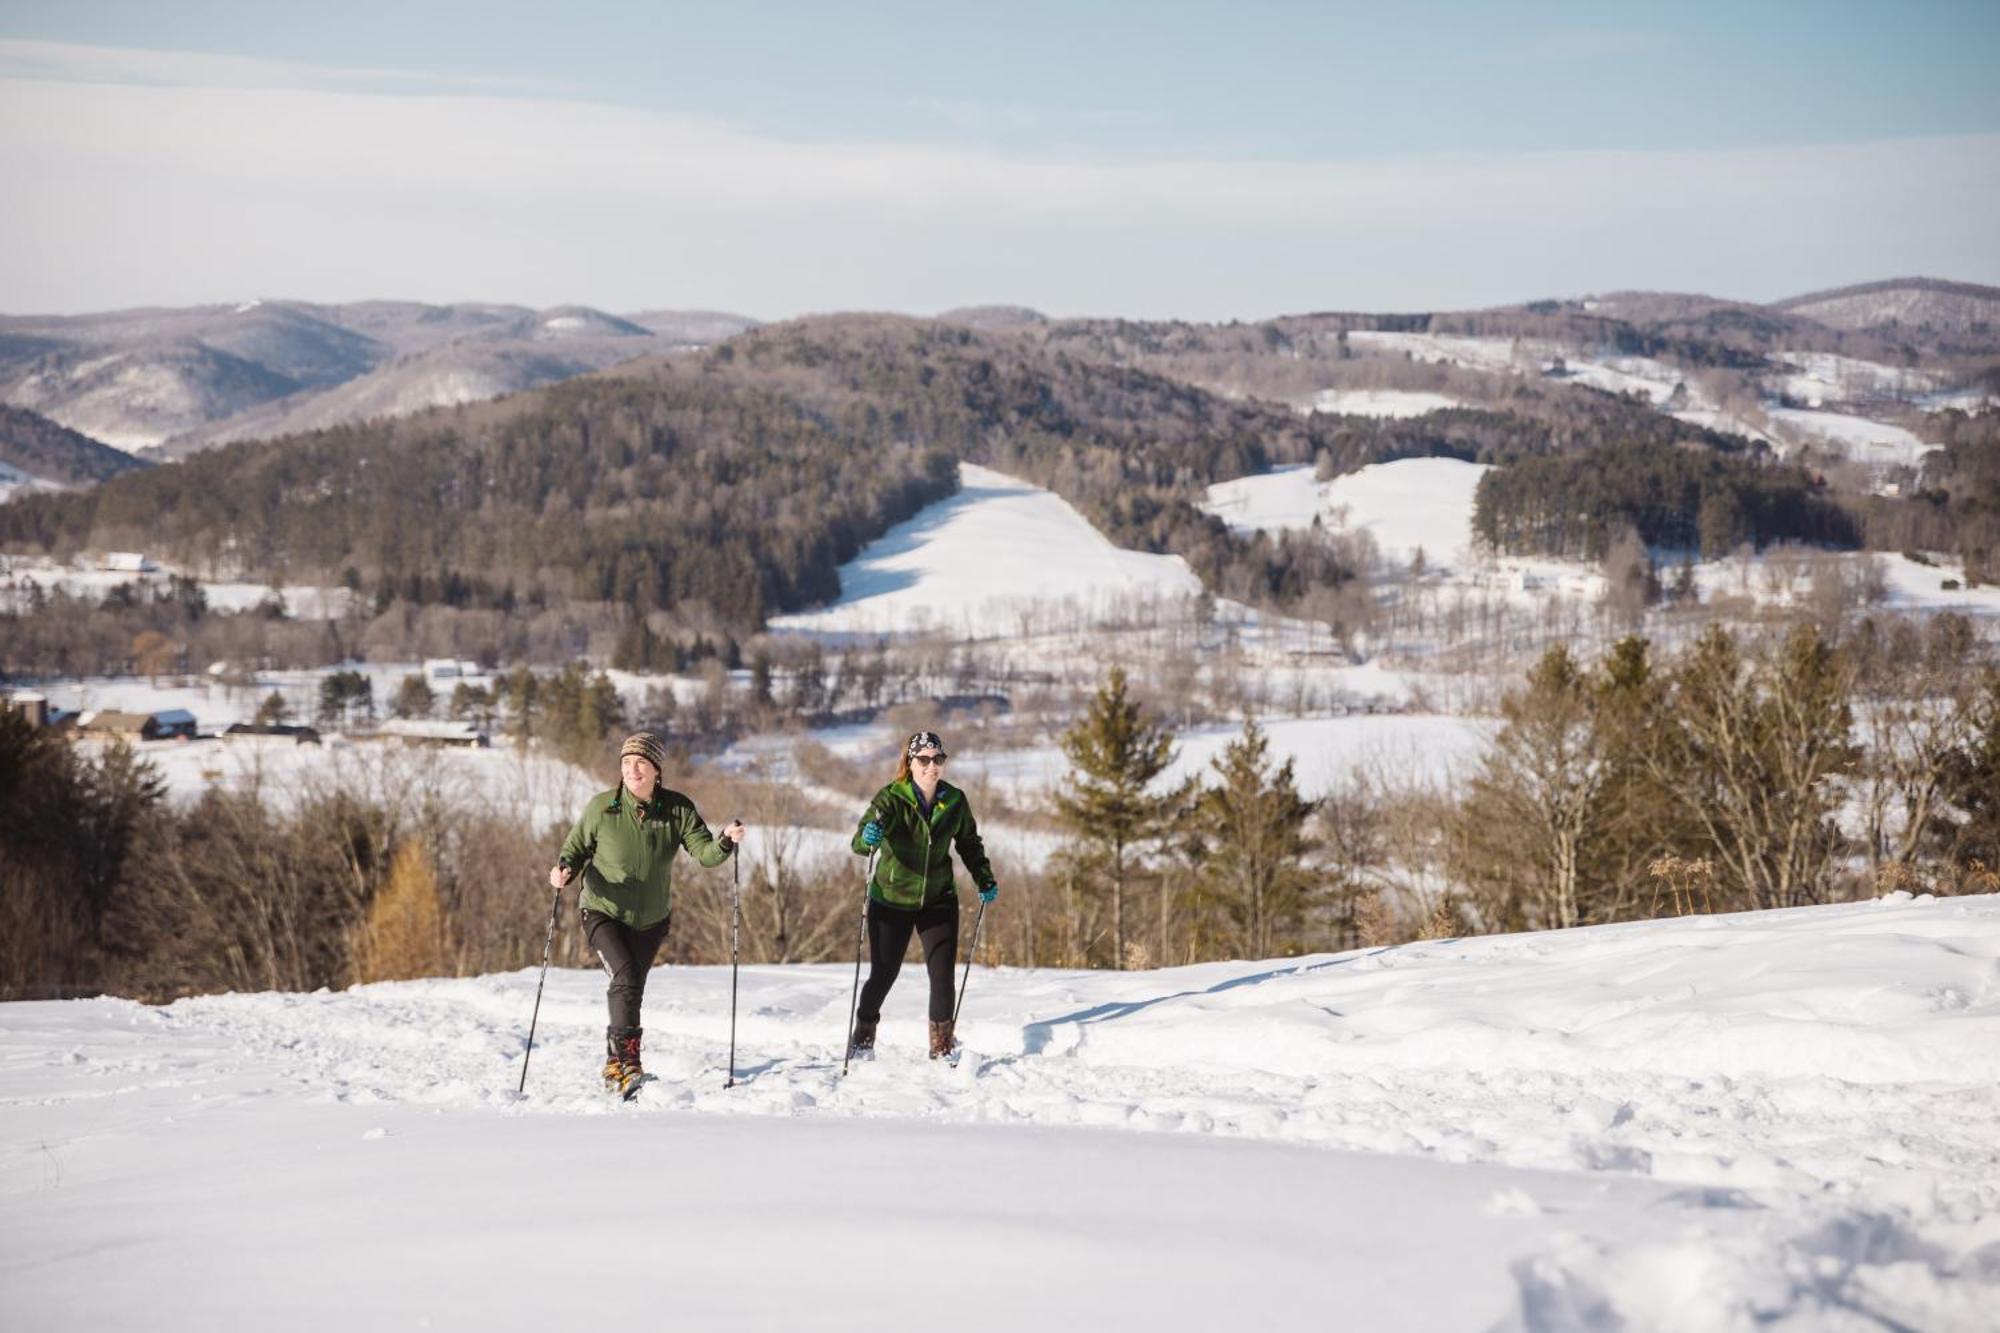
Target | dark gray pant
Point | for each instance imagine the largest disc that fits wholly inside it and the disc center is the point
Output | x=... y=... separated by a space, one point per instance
x=627 y=954
x=889 y=931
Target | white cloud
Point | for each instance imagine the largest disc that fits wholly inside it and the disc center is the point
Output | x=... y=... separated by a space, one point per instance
x=67 y=62
x=181 y=190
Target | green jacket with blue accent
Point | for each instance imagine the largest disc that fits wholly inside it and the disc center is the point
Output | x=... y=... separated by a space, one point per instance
x=630 y=847
x=914 y=869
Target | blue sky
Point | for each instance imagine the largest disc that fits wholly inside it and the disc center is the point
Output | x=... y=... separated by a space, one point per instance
x=1206 y=160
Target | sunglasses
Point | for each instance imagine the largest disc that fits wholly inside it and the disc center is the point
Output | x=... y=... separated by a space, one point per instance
x=929 y=760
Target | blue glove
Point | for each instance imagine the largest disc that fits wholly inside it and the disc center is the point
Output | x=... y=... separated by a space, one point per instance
x=989 y=893
x=871 y=834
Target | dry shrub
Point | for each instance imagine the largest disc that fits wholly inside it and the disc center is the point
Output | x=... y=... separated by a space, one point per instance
x=1442 y=921
x=402 y=937
x=1374 y=920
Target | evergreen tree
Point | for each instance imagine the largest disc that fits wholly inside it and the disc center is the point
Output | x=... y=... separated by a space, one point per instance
x=414 y=698
x=1250 y=847
x=273 y=710
x=1116 y=752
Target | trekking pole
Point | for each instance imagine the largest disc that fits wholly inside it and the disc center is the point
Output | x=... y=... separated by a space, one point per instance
x=735 y=925
x=555 y=905
x=959 y=1003
x=860 y=933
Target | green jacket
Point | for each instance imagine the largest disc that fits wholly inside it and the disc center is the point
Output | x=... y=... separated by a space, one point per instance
x=630 y=849
x=914 y=869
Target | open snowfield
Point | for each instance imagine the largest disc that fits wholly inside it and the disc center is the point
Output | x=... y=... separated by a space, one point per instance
x=1379 y=402
x=1783 y=1120
x=18 y=572
x=1409 y=504
x=1858 y=438
x=1825 y=377
x=978 y=563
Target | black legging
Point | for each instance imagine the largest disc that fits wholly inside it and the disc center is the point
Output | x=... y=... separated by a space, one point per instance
x=889 y=930
x=627 y=954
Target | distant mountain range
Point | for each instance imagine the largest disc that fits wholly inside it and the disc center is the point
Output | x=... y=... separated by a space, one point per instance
x=164 y=383
x=168 y=382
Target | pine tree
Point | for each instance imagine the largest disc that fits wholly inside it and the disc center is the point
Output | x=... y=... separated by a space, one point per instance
x=414 y=698
x=1116 y=752
x=1249 y=833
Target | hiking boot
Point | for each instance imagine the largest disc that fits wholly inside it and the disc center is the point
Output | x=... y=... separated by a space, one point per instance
x=941 y=1042
x=614 y=1060
x=628 y=1059
x=863 y=1044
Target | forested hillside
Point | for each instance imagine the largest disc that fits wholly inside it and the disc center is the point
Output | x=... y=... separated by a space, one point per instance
x=653 y=492
x=711 y=490
x=42 y=448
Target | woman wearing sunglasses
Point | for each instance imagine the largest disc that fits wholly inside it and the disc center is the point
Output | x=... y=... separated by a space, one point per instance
x=915 y=822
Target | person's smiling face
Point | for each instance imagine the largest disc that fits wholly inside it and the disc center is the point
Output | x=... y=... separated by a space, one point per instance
x=927 y=767
x=639 y=775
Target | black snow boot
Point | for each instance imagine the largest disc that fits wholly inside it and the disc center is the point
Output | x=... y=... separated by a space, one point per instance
x=863 y=1044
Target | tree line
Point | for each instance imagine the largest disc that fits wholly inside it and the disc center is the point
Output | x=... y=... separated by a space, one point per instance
x=1574 y=506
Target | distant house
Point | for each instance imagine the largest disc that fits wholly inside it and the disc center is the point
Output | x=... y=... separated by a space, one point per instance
x=447 y=668
x=34 y=707
x=419 y=731
x=130 y=562
x=301 y=735
x=167 y=724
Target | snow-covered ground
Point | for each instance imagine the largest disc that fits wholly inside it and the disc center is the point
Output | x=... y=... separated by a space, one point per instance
x=1404 y=506
x=1490 y=354
x=18 y=573
x=998 y=555
x=1824 y=377
x=1858 y=438
x=1784 y=1120
x=1379 y=402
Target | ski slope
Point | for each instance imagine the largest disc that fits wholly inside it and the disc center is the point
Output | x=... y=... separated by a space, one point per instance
x=1783 y=1120
x=999 y=557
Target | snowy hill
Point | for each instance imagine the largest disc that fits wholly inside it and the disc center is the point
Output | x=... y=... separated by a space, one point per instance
x=998 y=554
x=1783 y=1119
x=205 y=374
x=1924 y=303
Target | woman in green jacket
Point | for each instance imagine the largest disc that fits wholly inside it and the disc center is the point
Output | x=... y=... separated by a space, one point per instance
x=624 y=843
x=915 y=822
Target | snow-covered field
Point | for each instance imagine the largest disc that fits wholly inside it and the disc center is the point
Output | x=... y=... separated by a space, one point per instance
x=1824 y=377
x=998 y=555
x=18 y=573
x=1858 y=438
x=1379 y=402
x=1783 y=1120
x=1406 y=505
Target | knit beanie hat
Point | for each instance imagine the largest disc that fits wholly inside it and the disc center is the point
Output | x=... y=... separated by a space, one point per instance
x=647 y=746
